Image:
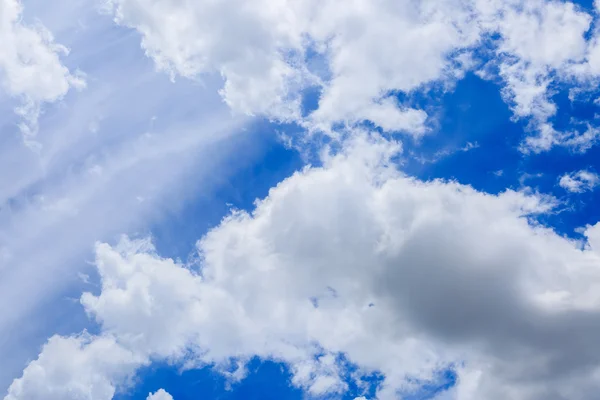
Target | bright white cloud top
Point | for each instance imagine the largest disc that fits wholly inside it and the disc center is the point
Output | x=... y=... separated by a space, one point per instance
x=359 y=53
x=351 y=257
x=408 y=278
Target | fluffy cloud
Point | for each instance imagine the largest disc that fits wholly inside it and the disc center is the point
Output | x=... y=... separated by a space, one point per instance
x=81 y=367
x=580 y=181
x=268 y=52
x=361 y=53
x=538 y=38
x=404 y=277
x=160 y=395
x=30 y=65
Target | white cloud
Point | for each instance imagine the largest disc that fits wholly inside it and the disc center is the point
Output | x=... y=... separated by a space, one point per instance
x=356 y=225
x=408 y=278
x=86 y=185
x=261 y=50
x=246 y=42
x=367 y=51
x=580 y=181
x=30 y=66
x=389 y=115
x=160 y=395
x=540 y=40
x=543 y=33
x=81 y=367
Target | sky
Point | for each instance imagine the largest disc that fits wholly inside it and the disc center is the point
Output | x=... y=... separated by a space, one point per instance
x=281 y=199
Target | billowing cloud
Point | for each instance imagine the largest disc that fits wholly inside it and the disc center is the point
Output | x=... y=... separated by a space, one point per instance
x=403 y=277
x=30 y=66
x=360 y=54
x=268 y=52
x=82 y=367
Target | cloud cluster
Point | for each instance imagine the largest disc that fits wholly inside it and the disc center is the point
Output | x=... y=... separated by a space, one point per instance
x=30 y=66
x=580 y=181
x=269 y=52
x=361 y=54
x=403 y=277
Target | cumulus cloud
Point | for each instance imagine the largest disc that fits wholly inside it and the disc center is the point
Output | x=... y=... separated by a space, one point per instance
x=360 y=54
x=160 y=395
x=81 y=367
x=403 y=277
x=267 y=52
x=579 y=182
x=30 y=66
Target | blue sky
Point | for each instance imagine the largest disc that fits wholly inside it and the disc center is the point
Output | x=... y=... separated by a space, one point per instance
x=289 y=200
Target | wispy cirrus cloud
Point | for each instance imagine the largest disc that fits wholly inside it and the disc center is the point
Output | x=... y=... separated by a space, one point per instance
x=113 y=159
